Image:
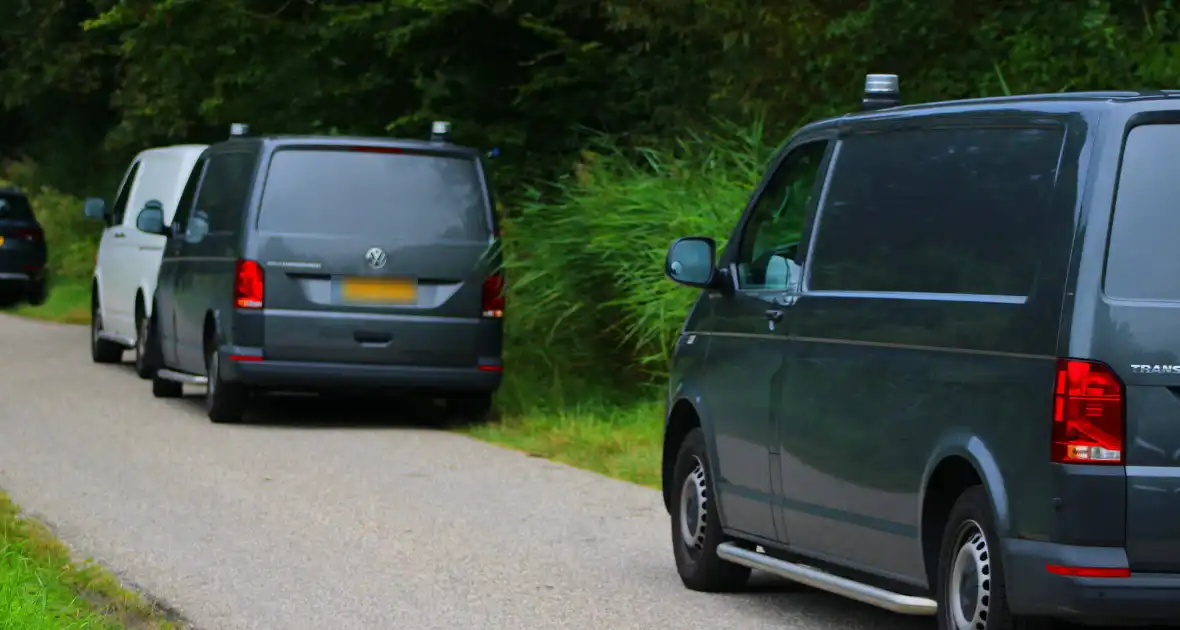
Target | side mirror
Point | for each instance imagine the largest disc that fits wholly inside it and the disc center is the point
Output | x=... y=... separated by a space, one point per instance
x=95 y=209
x=691 y=262
x=197 y=228
x=151 y=218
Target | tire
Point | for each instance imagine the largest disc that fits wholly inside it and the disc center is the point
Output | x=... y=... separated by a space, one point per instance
x=162 y=388
x=102 y=350
x=225 y=402
x=471 y=407
x=147 y=347
x=37 y=294
x=696 y=529
x=971 y=567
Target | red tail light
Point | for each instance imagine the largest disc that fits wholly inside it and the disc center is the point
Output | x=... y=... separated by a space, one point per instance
x=248 y=285
x=493 y=296
x=1088 y=426
x=33 y=235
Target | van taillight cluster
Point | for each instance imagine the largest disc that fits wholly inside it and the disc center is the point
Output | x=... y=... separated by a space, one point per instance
x=248 y=285
x=493 y=296
x=1088 y=426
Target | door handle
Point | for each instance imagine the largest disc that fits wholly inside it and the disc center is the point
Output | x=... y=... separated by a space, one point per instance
x=774 y=315
x=119 y=235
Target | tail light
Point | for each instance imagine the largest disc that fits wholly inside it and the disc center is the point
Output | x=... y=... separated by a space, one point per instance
x=248 y=285
x=1088 y=424
x=33 y=234
x=493 y=296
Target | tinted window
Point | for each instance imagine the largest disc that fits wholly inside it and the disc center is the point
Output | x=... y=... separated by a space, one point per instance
x=120 y=207
x=769 y=241
x=223 y=192
x=354 y=192
x=185 y=205
x=15 y=208
x=1143 y=262
x=937 y=211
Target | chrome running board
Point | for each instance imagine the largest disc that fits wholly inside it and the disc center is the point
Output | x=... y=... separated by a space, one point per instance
x=879 y=597
x=181 y=377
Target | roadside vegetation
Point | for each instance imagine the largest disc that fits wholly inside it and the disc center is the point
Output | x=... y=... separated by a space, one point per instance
x=43 y=588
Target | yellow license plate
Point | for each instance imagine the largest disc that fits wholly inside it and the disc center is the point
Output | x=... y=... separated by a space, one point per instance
x=379 y=290
x=1 y=241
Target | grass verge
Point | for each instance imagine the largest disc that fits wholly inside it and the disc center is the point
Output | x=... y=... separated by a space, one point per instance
x=619 y=441
x=41 y=587
x=68 y=303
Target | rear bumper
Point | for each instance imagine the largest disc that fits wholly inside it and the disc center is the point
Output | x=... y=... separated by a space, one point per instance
x=298 y=375
x=1143 y=598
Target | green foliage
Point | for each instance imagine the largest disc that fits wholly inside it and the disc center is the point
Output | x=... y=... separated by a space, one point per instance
x=586 y=281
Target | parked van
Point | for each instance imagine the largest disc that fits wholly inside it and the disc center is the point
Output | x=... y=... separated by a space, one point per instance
x=935 y=367
x=128 y=257
x=309 y=263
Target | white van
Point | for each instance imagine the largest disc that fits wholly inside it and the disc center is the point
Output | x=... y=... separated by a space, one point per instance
x=129 y=257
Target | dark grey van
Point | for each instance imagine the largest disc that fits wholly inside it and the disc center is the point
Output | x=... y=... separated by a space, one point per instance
x=936 y=367
x=330 y=263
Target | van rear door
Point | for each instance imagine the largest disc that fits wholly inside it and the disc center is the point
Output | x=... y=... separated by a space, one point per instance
x=1140 y=338
x=374 y=255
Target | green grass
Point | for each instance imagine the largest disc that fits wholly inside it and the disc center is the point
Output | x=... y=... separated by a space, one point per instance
x=618 y=441
x=41 y=587
x=68 y=303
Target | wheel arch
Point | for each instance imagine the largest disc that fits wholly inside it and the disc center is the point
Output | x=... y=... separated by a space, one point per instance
x=685 y=412
x=960 y=462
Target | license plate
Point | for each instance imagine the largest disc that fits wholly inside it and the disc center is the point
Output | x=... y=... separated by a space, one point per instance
x=379 y=290
x=1 y=241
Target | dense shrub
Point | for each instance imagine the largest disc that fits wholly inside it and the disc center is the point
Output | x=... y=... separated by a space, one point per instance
x=585 y=255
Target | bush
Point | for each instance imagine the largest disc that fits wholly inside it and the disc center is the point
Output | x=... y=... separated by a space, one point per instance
x=587 y=295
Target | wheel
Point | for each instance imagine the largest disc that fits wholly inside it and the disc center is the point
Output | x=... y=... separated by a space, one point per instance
x=971 y=589
x=224 y=402
x=162 y=388
x=147 y=347
x=696 y=529
x=471 y=407
x=37 y=294
x=102 y=350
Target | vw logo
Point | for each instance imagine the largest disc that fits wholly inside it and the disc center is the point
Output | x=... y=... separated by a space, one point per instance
x=375 y=257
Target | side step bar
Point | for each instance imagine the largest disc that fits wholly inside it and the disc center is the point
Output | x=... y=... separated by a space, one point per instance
x=181 y=377
x=879 y=597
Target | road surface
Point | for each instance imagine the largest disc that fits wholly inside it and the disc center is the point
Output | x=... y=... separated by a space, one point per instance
x=313 y=516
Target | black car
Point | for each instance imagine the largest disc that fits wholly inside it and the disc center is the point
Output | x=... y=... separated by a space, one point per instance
x=305 y=263
x=937 y=366
x=22 y=251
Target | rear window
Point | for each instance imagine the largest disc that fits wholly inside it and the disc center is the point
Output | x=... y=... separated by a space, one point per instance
x=1143 y=261
x=341 y=192
x=15 y=208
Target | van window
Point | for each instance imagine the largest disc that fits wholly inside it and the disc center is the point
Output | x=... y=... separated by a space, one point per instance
x=950 y=210
x=119 y=209
x=1142 y=262
x=15 y=208
x=223 y=191
x=345 y=193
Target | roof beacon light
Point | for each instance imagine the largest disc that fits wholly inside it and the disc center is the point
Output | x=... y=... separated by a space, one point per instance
x=237 y=130
x=440 y=131
x=881 y=91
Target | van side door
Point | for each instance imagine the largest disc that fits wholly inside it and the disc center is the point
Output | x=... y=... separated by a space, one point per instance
x=747 y=344
x=924 y=317
x=170 y=264
x=117 y=273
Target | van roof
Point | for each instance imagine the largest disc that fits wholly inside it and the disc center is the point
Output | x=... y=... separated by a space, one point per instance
x=174 y=148
x=1056 y=102
x=275 y=141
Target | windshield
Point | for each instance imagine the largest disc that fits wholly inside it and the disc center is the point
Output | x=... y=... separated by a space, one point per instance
x=348 y=192
x=1143 y=262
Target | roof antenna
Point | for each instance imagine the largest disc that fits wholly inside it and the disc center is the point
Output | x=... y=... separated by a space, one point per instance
x=237 y=130
x=440 y=131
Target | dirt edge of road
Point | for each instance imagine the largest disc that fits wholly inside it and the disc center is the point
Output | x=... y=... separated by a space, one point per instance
x=103 y=593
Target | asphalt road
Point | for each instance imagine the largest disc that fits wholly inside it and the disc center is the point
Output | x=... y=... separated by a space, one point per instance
x=316 y=516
